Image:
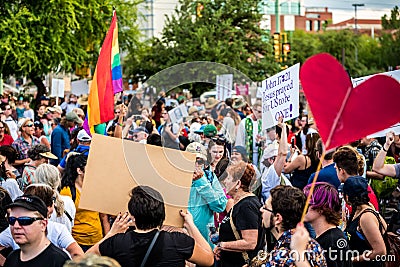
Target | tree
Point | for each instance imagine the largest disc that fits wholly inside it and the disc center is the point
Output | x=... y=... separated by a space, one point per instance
x=38 y=37
x=391 y=39
x=223 y=31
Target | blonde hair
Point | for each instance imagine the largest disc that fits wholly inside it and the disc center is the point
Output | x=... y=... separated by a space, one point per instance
x=49 y=175
x=93 y=261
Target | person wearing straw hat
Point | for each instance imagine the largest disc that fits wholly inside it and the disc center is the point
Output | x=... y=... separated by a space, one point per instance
x=83 y=100
x=250 y=134
x=237 y=105
x=38 y=154
x=211 y=102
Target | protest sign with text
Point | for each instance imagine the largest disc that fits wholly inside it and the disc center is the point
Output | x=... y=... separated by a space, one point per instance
x=242 y=89
x=177 y=114
x=280 y=96
x=57 y=88
x=224 y=85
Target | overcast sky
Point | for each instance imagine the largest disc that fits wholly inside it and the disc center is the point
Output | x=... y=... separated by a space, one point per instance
x=343 y=9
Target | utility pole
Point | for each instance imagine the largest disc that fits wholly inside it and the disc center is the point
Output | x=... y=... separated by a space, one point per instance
x=277 y=17
x=355 y=15
x=355 y=24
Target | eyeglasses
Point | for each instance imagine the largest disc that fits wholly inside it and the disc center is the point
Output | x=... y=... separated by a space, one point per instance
x=54 y=199
x=24 y=221
x=28 y=125
x=267 y=209
x=117 y=112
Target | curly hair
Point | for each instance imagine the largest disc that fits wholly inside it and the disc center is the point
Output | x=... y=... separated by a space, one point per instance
x=325 y=199
x=348 y=158
x=289 y=202
x=244 y=172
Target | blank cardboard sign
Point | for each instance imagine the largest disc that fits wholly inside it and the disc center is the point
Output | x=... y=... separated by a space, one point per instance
x=115 y=166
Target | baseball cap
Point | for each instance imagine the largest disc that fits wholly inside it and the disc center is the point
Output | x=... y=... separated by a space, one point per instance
x=30 y=202
x=355 y=186
x=210 y=130
x=201 y=130
x=270 y=151
x=83 y=136
x=197 y=149
x=72 y=116
x=242 y=151
x=140 y=129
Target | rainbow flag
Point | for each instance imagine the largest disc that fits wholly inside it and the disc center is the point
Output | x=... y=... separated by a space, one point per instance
x=107 y=79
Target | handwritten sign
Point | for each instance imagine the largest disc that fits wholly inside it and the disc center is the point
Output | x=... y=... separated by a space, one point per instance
x=242 y=89
x=280 y=96
x=224 y=86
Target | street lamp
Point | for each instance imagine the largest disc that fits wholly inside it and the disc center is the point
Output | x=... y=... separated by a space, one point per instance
x=355 y=14
x=355 y=24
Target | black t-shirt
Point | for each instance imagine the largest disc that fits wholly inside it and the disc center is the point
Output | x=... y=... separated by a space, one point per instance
x=170 y=249
x=52 y=256
x=335 y=247
x=246 y=216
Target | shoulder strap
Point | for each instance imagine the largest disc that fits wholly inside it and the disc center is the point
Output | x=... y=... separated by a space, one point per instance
x=237 y=236
x=381 y=227
x=68 y=215
x=149 y=249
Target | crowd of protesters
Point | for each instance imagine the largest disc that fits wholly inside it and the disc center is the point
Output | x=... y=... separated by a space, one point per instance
x=246 y=202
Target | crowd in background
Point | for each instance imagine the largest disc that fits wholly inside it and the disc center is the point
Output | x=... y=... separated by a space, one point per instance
x=246 y=201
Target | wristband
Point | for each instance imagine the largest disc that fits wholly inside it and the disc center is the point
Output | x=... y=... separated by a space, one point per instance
x=120 y=124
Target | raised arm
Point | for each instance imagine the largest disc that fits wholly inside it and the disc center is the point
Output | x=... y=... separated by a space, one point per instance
x=379 y=165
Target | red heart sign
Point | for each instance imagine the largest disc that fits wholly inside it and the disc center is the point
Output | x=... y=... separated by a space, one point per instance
x=342 y=113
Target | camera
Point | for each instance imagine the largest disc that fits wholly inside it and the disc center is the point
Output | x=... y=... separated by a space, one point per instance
x=214 y=235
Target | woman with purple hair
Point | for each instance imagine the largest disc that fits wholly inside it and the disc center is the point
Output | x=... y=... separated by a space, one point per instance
x=324 y=216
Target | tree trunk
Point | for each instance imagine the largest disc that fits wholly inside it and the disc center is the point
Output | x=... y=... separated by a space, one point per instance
x=41 y=88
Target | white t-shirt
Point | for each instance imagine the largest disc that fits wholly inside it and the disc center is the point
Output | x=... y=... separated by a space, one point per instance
x=69 y=207
x=270 y=179
x=57 y=234
x=11 y=185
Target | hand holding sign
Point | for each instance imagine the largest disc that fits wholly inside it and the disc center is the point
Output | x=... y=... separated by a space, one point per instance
x=339 y=110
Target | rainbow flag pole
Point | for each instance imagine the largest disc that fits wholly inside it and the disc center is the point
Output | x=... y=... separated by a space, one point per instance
x=107 y=80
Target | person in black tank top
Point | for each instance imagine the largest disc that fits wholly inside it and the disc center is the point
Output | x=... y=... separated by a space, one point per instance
x=365 y=227
x=300 y=176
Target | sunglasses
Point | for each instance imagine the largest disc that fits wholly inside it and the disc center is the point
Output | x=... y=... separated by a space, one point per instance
x=23 y=221
x=28 y=125
x=219 y=139
x=117 y=112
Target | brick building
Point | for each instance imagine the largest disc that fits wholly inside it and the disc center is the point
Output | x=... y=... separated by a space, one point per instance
x=315 y=19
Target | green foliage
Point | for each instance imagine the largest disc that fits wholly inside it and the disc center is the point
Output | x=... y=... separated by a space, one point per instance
x=391 y=39
x=227 y=32
x=38 y=37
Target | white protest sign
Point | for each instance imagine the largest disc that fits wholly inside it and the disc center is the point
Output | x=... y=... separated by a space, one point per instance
x=80 y=87
x=394 y=74
x=177 y=114
x=57 y=88
x=224 y=86
x=280 y=97
x=395 y=128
